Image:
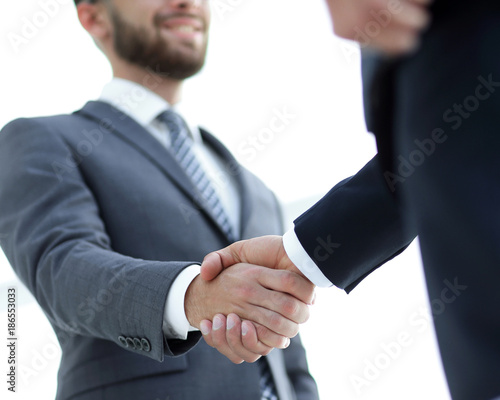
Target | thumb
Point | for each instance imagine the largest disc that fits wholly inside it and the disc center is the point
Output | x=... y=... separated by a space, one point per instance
x=214 y=263
x=211 y=266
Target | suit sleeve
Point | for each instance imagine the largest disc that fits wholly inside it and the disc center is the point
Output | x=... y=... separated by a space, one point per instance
x=56 y=242
x=355 y=228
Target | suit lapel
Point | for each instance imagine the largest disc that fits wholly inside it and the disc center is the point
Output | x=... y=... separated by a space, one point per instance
x=135 y=135
x=254 y=221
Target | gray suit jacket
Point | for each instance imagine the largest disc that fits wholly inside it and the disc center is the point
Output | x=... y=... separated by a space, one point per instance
x=98 y=221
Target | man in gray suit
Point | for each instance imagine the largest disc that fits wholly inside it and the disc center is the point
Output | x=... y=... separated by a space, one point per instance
x=109 y=211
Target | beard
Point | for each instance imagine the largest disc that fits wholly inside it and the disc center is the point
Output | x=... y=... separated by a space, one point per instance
x=137 y=46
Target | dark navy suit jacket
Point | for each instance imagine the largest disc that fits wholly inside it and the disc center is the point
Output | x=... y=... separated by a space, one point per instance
x=435 y=114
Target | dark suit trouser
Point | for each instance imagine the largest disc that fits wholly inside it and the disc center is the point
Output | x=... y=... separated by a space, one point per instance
x=447 y=164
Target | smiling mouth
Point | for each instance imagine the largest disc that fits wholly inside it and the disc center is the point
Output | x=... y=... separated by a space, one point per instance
x=182 y=23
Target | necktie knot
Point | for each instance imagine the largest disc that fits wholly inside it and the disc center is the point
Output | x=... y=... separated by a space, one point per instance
x=176 y=126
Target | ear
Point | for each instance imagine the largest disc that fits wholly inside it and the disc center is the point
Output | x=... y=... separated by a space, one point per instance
x=95 y=20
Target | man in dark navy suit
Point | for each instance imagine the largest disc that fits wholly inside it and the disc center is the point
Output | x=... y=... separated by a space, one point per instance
x=433 y=103
x=107 y=213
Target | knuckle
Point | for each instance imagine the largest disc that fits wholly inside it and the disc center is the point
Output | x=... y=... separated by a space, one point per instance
x=277 y=300
x=252 y=350
x=288 y=280
x=269 y=338
x=277 y=323
x=219 y=342
x=251 y=347
x=233 y=341
x=262 y=332
x=252 y=271
x=246 y=291
x=291 y=307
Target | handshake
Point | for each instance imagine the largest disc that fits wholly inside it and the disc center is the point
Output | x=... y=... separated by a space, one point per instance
x=259 y=295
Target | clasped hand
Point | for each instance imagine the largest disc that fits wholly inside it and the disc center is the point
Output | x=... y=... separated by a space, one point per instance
x=260 y=298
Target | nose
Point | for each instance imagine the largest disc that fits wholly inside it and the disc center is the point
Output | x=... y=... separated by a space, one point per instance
x=186 y=4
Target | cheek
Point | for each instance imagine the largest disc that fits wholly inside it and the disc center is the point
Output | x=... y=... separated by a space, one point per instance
x=330 y=5
x=207 y=15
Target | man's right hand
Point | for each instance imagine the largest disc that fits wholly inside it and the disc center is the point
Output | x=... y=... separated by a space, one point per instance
x=275 y=300
x=244 y=340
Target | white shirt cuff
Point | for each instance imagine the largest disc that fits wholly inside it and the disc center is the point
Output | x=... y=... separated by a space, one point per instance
x=302 y=261
x=175 y=322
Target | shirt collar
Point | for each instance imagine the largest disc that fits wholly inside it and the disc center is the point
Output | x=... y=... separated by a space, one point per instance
x=141 y=104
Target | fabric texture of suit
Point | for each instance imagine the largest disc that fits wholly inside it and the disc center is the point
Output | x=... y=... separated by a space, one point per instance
x=436 y=118
x=99 y=220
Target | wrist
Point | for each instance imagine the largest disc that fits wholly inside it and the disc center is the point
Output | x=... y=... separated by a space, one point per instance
x=191 y=303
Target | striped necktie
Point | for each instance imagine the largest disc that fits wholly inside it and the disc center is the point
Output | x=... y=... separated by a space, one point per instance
x=266 y=382
x=181 y=147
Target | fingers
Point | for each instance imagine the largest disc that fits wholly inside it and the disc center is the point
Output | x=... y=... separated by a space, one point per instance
x=287 y=307
x=288 y=282
x=243 y=341
x=269 y=338
x=206 y=330
x=254 y=293
x=239 y=340
x=255 y=337
x=279 y=312
x=216 y=337
x=273 y=321
x=270 y=300
x=239 y=291
x=250 y=340
x=234 y=339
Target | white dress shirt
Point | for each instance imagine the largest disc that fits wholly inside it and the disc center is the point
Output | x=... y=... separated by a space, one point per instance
x=144 y=106
x=302 y=261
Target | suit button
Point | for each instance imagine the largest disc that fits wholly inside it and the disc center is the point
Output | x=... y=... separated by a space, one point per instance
x=146 y=346
x=138 y=344
x=122 y=341
x=131 y=343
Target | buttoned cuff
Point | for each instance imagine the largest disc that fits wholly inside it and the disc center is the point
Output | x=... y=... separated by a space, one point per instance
x=302 y=261
x=175 y=322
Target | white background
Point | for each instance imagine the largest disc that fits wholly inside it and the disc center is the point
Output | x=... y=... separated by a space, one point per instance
x=264 y=55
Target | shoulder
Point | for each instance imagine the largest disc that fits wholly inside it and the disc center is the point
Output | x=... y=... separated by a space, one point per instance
x=49 y=123
x=23 y=141
x=44 y=131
